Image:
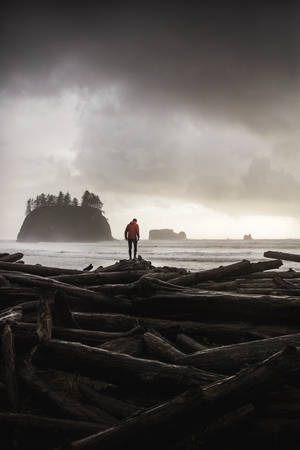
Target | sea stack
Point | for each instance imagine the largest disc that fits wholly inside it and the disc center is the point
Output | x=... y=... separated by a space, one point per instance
x=167 y=234
x=65 y=224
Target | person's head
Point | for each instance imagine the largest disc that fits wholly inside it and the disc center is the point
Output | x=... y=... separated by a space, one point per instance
x=134 y=220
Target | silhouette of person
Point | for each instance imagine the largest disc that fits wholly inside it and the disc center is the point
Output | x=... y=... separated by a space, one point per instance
x=132 y=235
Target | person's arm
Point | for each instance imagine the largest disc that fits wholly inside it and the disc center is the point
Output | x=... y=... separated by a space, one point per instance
x=125 y=233
x=138 y=232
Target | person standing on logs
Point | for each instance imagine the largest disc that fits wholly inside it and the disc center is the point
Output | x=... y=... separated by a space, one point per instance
x=132 y=235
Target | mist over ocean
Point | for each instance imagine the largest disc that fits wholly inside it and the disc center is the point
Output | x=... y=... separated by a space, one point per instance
x=190 y=254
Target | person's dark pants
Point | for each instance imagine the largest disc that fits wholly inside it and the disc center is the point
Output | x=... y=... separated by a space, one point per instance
x=130 y=242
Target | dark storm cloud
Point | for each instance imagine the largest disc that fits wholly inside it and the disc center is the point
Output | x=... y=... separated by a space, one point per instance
x=154 y=76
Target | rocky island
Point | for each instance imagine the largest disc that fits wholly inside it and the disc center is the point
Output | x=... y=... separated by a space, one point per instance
x=60 y=219
x=167 y=234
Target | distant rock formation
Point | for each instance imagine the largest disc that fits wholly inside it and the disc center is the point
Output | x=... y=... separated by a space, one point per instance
x=167 y=234
x=65 y=223
x=247 y=237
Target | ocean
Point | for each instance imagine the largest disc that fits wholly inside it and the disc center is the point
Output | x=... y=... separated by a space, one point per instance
x=190 y=254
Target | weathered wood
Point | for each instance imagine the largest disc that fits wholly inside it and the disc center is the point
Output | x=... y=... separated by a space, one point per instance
x=231 y=358
x=98 y=278
x=36 y=269
x=113 y=406
x=170 y=421
x=188 y=344
x=62 y=316
x=282 y=255
x=11 y=258
x=8 y=357
x=218 y=306
x=96 y=300
x=50 y=425
x=3 y=282
x=105 y=322
x=125 y=264
x=232 y=270
x=222 y=333
x=118 y=368
x=133 y=346
x=56 y=401
x=44 y=318
x=160 y=348
x=26 y=332
x=10 y=296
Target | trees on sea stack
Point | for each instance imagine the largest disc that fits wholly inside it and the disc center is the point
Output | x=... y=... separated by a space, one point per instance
x=63 y=199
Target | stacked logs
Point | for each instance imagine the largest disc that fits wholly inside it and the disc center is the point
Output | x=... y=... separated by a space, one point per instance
x=135 y=356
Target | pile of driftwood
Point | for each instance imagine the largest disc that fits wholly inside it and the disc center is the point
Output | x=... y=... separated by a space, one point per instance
x=138 y=357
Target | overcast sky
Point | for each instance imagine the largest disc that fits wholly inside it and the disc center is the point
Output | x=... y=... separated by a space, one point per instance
x=182 y=114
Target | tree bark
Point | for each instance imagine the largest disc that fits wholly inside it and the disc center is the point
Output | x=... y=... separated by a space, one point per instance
x=118 y=368
x=167 y=423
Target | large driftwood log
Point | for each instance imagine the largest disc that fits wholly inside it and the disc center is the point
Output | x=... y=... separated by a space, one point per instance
x=165 y=424
x=25 y=333
x=98 y=278
x=232 y=270
x=96 y=300
x=231 y=358
x=37 y=269
x=282 y=255
x=218 y=306
x=11 y=258
x=118 y=368
x=8 y=357
x=222 y=333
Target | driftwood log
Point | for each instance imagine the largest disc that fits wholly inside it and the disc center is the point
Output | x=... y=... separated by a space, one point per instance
x=230 y=358
x=165 y=424
x=118 y=368
x=282 y=255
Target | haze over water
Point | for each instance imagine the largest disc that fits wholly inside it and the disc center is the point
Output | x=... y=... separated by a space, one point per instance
x=190 y=254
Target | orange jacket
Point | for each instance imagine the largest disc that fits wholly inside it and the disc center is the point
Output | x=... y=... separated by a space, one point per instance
x=132 y=231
